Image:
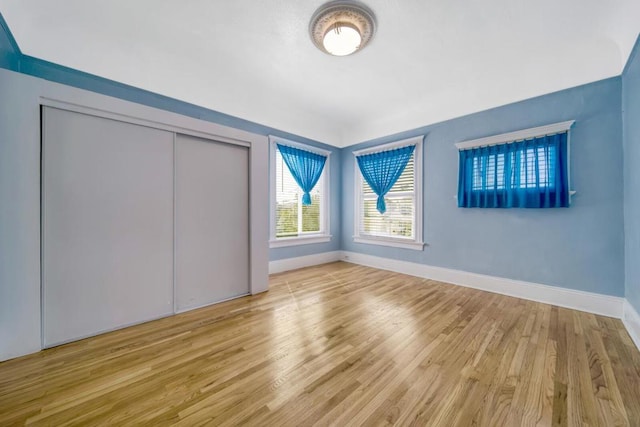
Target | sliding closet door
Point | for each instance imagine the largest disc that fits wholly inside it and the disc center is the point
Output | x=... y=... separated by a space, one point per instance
x=212 y=221
x=107 y=224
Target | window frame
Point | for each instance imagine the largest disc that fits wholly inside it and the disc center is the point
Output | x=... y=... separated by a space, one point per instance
x=525 y=134
x=415 y=243
x=323 y=235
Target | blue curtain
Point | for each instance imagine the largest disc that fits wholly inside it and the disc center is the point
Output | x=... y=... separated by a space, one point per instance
x=524 y=174
x=305 y=166
x=381 y=170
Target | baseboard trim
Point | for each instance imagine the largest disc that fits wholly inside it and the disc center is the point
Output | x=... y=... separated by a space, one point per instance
x=631 y=321
x=287 y=264
x=605 y=305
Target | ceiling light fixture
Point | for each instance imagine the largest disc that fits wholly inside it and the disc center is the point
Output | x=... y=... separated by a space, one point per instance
x=341 y=28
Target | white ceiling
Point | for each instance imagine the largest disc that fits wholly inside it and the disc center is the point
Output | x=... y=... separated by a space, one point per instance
x=430 y=60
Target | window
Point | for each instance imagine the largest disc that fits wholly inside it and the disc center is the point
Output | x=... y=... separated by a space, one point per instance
x=293 y=222
x=530 y=168
x=525 y=169
x=401 y=223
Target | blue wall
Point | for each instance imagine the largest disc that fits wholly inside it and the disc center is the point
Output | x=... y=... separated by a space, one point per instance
x=581 y=247
x=631 y=137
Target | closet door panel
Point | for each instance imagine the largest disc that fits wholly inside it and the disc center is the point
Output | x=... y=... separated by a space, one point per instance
x=212 y=221
x=107 y=225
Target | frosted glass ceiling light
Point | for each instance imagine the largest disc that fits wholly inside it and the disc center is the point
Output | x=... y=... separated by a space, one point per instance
x=341 y=28
x=341 y=40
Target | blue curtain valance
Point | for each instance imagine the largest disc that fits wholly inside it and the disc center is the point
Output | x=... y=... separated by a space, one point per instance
x=305 y=167
x=523 y=174
x=381 y=170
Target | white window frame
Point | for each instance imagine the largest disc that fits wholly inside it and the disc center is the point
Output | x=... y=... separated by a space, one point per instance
x=520 y=135
x=415 y=243
x=308 y=238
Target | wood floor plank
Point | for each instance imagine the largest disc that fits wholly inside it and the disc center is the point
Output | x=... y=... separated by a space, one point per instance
x=340 y=344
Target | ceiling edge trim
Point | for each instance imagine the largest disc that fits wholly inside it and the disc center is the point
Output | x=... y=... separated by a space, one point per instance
x=9 y=35
x=10 y=53
x=634 y=51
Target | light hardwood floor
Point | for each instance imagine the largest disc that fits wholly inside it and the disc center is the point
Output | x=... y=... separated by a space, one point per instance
x=342 y=345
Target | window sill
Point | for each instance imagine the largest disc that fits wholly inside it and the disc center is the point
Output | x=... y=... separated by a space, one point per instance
x=389 y=241
x=301 y=240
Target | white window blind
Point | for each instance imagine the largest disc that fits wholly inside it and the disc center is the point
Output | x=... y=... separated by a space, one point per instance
x=293 y=219
x=398 y=220
x=533 y=169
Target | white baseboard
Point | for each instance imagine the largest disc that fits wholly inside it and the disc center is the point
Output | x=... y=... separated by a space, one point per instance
x=578 y=300
x=631 y=320
x=287 y=264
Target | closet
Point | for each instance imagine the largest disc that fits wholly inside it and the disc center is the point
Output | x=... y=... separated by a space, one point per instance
x=138 y=223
